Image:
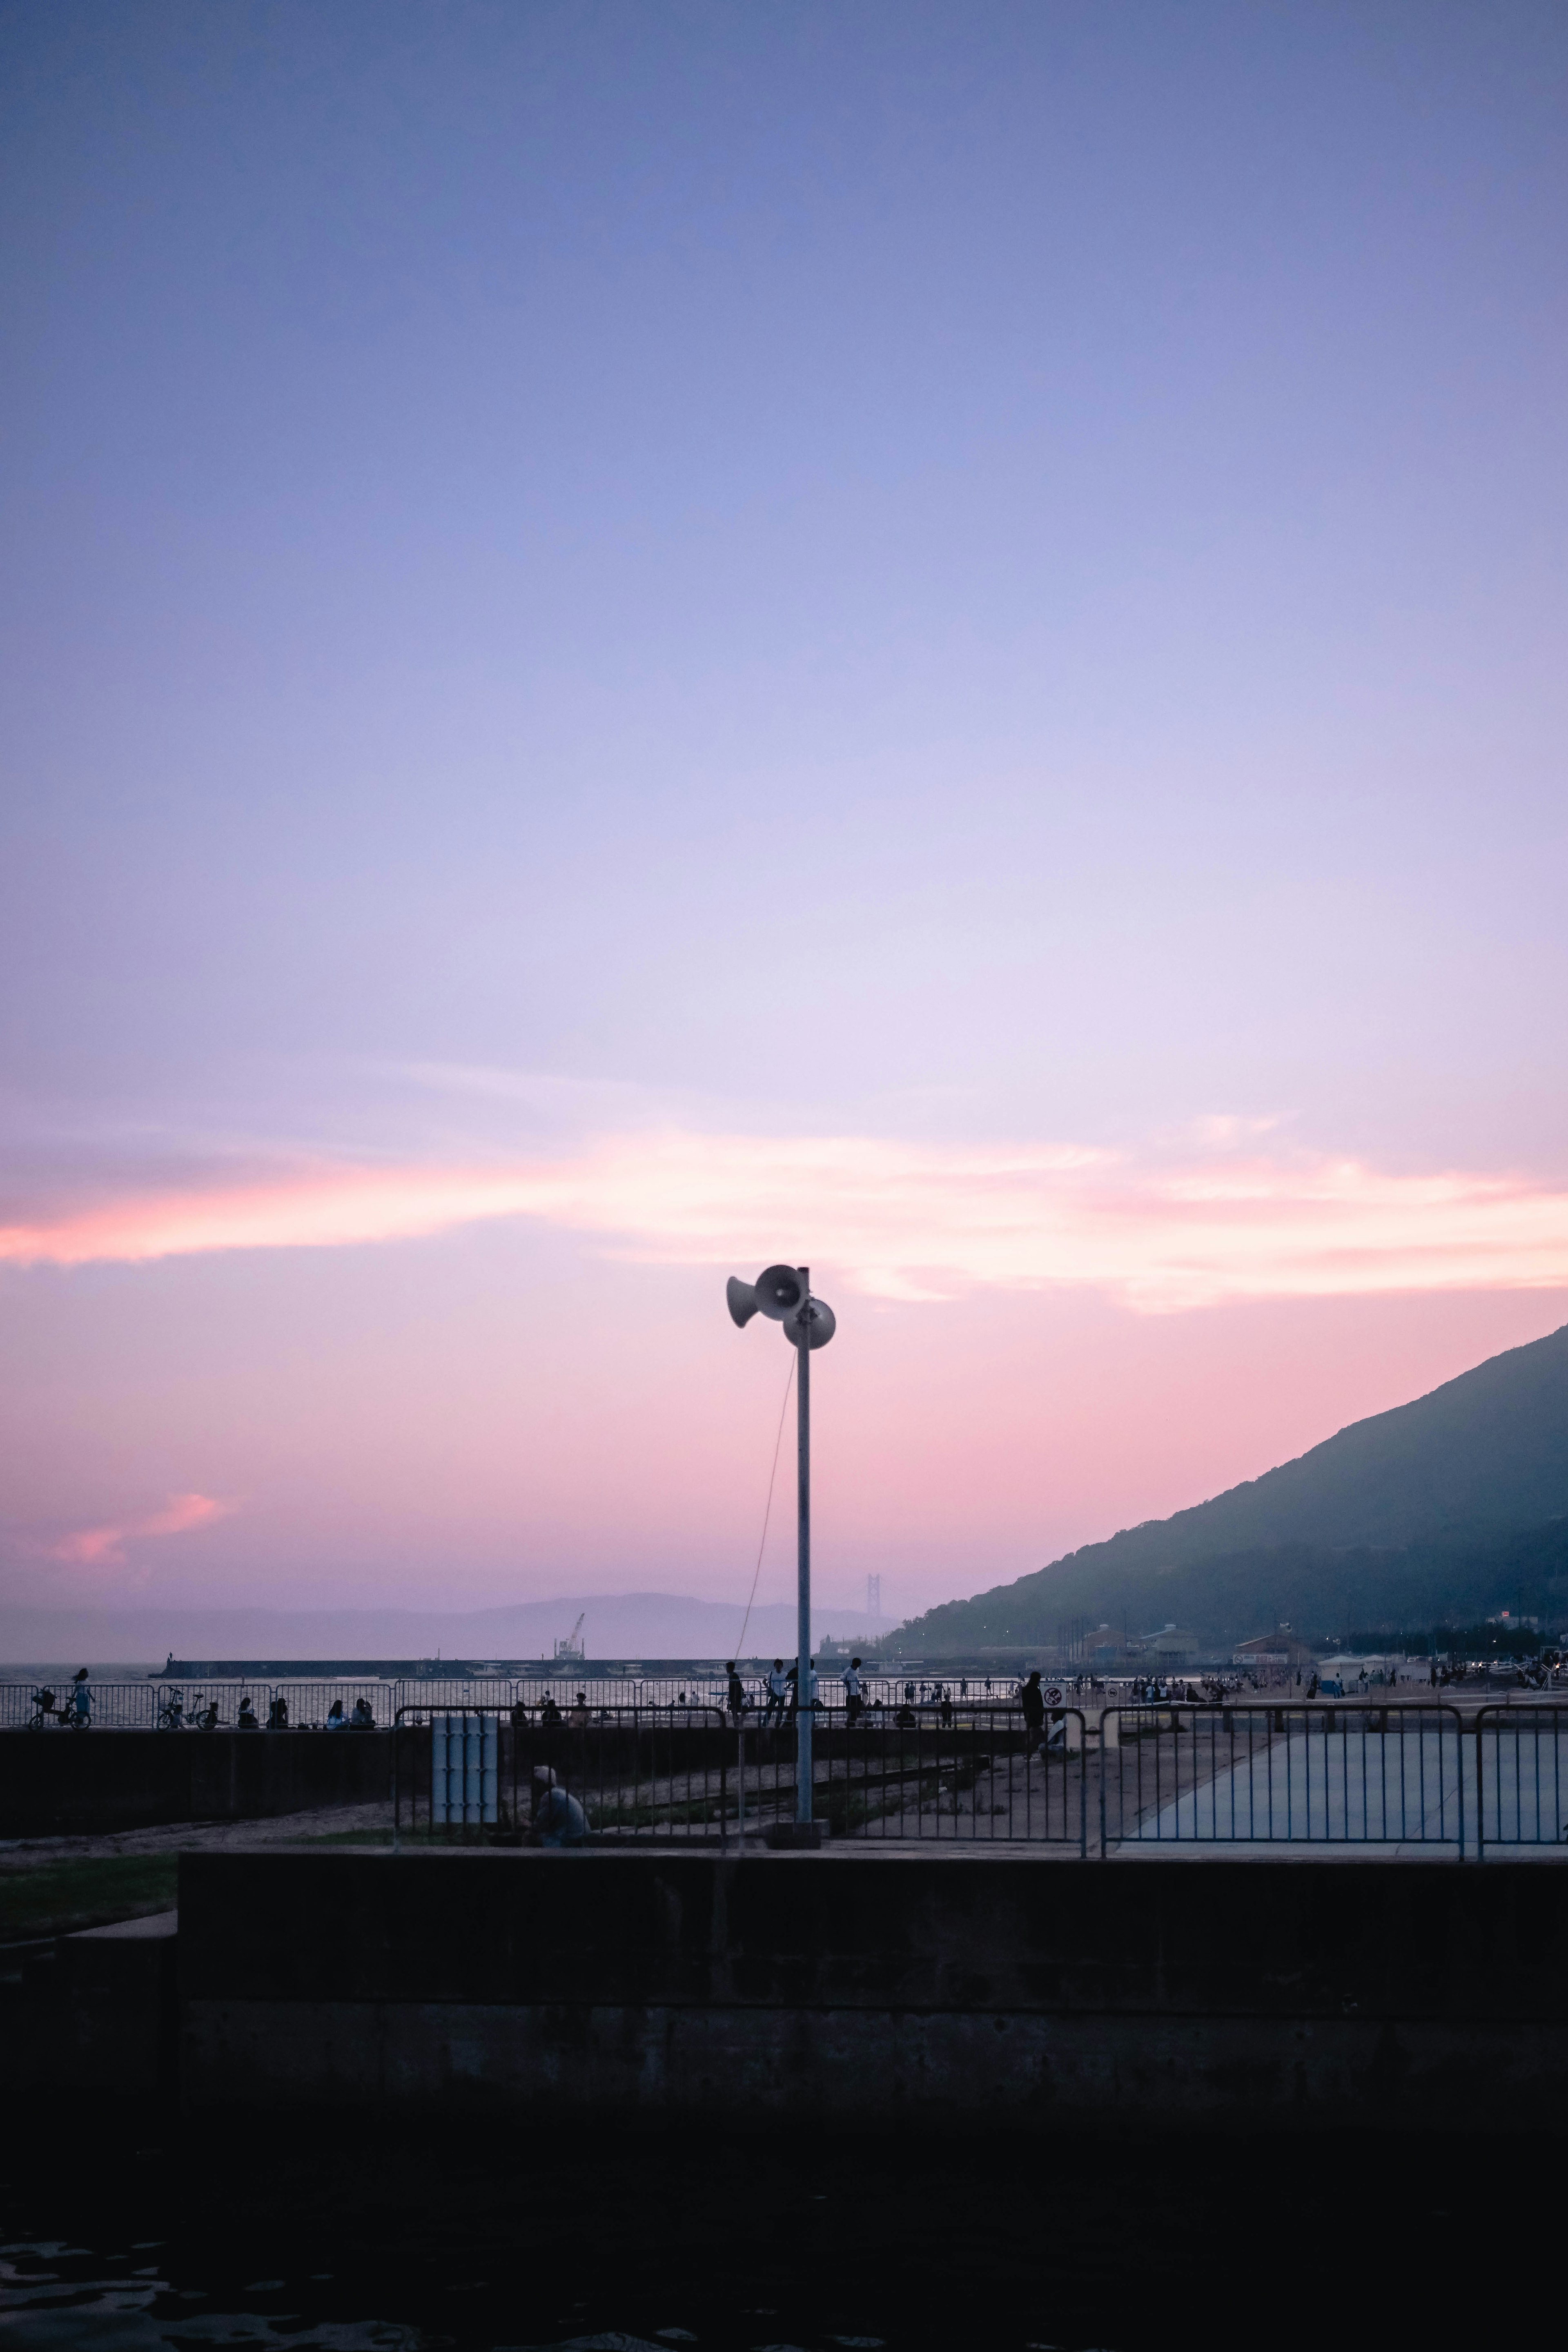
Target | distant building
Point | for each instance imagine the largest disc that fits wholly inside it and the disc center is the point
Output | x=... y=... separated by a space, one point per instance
x=1172 y=1645
x=1280 y=1648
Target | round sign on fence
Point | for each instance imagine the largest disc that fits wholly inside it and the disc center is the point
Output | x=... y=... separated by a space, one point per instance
x=1053 y=1696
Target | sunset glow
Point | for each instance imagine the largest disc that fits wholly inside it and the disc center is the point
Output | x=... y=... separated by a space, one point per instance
x=923 y=642
x=903 y=1221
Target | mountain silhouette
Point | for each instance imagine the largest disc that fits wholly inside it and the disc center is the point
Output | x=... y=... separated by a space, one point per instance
x=1434 y=1508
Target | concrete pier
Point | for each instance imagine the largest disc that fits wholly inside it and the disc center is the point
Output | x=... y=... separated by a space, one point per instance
x=60 y=1785
x=874 y=1985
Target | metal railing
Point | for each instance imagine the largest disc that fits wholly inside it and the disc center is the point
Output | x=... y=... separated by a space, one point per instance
x=980 y=1777
x=165 y=1706
x=1521 y=1775
x=115 y=1707
x=145 y=1706
x=1254 y=1770
x=1311 y=1775
x=507 y=1774
x=696 y=1773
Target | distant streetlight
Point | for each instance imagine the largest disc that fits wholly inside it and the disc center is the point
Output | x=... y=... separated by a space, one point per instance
x=782 y=1292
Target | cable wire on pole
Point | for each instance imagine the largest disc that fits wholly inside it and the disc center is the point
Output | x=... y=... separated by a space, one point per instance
x=773 y=1475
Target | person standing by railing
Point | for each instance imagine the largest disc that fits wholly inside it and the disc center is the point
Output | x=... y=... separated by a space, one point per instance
x=778 y=1694
x=854 y=1694
x=79 y=1715
x=738 y=1701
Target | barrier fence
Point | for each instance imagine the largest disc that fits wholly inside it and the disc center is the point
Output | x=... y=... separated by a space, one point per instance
x=695 y=1773
x=162 y=1704
x=1247 y=1773
x=1320 y=1775
x=1522 y=1777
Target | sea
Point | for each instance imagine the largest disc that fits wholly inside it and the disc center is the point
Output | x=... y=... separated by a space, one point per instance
x=120 y=2232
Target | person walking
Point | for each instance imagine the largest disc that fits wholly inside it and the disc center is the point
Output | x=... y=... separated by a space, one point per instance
x=1032 y=1699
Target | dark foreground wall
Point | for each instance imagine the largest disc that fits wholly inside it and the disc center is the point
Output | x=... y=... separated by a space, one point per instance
x=1142 y=1995
x=70 y=1784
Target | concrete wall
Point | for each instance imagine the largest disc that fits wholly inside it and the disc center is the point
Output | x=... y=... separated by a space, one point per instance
x=94 y=2013
x=70 y=1784
x=1131 y=1996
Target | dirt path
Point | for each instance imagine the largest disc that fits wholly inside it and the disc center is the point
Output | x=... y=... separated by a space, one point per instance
x=20 y=1854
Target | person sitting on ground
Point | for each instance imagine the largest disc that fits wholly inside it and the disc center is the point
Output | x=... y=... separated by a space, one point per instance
x=578 y=1718
x=520 y=1715
x=336 y=1721
x=277 y=1714
x=208 y=1719
x=558 y=1818
x=246 y=1719
x=550 y=1713
x=364 y=1715
x=906 y=1719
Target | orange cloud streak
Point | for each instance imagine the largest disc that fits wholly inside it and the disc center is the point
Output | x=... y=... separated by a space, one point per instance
x=902 y=1219
x=105 y=1547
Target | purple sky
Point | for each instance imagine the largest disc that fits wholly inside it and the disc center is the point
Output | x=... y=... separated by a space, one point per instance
x=640 y=639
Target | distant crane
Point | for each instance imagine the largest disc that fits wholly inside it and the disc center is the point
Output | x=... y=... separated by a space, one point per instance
x=571 y=1647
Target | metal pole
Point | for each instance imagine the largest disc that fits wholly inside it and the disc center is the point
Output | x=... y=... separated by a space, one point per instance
x=803 y=1784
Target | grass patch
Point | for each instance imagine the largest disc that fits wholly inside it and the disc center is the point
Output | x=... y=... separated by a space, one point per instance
x=61 y=1896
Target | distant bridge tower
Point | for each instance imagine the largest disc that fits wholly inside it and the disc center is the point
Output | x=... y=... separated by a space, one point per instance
x=873 y=1597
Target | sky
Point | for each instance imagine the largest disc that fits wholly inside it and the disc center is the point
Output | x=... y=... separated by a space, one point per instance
x=637 y=640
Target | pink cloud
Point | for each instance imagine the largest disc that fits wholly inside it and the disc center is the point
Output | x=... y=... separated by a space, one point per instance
x=907 y=1221
x=105 y=1547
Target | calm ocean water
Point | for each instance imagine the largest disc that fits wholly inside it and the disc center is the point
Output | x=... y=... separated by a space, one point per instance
x=119 y=2239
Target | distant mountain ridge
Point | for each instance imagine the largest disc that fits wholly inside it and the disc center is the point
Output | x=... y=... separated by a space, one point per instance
x=1421 y=1509
x=618 y=1624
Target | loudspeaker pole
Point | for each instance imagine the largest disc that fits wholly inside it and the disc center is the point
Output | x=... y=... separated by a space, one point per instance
x=782 y=1292
x=803 y=1792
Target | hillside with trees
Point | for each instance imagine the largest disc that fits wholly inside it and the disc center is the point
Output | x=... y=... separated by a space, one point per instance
x=1449 y=1508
